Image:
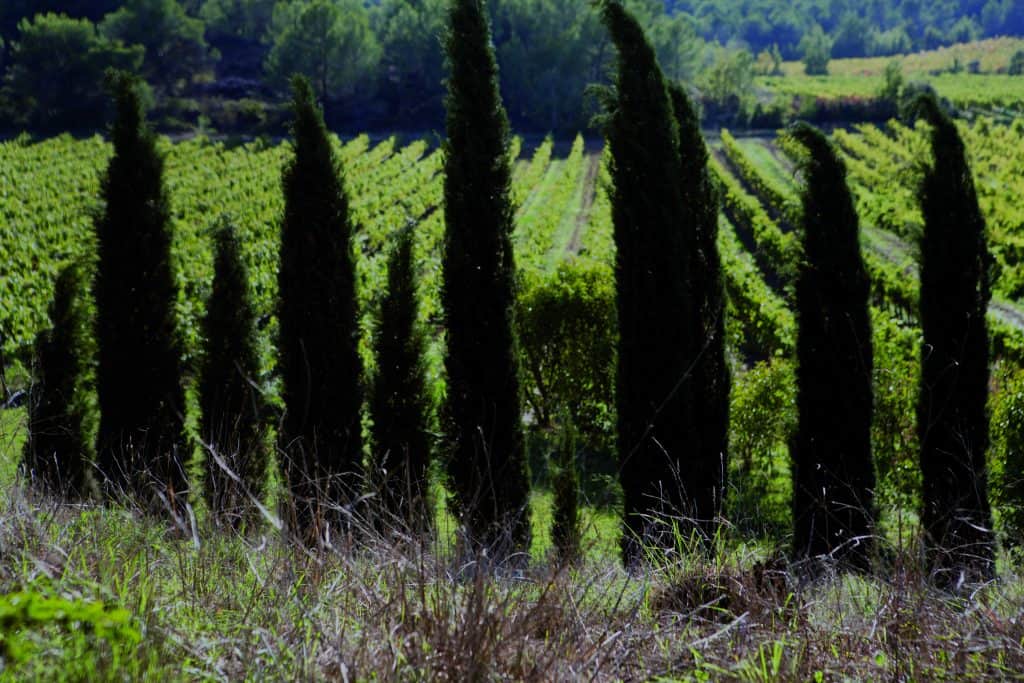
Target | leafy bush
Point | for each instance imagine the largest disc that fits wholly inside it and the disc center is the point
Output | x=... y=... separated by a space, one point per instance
x=762 y=420
x=567 y=336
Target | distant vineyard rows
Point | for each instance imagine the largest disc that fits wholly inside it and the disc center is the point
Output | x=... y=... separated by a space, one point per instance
x=51 y=193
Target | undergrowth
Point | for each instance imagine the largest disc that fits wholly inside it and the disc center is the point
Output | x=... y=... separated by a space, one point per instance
x=94 y=593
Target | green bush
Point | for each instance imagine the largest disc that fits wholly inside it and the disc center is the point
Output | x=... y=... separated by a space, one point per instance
x=762 y=419
x=567 y=338
x=1007 y=459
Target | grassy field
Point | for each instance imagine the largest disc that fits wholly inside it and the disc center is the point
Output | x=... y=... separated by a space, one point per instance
x=992 y=56
x=947 y=69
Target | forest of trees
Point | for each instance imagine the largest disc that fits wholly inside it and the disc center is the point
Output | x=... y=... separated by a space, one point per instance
x=381 y=63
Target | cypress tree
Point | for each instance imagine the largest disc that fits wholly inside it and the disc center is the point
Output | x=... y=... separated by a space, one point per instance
x=141 y=399
x=565 y=528
x=320 y=435
x=399 y=404
x=657 y=340
x=229 y=395
x=834 y=477
x=704 y=476
x=487 y=463
x=58 y=453
x=951 y=412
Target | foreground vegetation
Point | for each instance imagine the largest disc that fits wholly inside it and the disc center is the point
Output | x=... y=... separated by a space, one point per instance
x=736 y=515
x=118 y=595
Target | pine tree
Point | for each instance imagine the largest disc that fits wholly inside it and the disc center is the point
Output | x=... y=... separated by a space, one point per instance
x=487 y=463
x=400 y=405
x=59 y=453
x=951 y=413
x=655 y=381
x=229 y=393
x=141 y=400
x=320 y=435
x=834 y=477
x=703 y=477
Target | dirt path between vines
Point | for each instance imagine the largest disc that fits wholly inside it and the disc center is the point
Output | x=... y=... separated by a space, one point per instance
x=587 y=205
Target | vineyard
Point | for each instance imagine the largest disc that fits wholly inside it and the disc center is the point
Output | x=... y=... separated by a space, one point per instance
x=564 y=248
x=563 y=227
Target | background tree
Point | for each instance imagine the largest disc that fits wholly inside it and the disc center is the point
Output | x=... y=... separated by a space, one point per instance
x=817 y=52
x=726 y=84
x=703 y=477
x=834 y=477
x=952 y=416
x=328 y=41
x=56 y=70
x=175 y=45
x=245 y=19
x=487 y=463
x=679 y=49
x=139 y=375
x=548 y=51
x=230 y=394
x=410 y=32
x=59 y=450
x=654 y=388
x=320 y=435
x=400 y=403
x=12 y=12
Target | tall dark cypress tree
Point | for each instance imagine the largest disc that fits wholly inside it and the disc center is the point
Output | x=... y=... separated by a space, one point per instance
x=399 y=404
x=320 y=435
x=704 y=477
x=487 y=461
x=229 y=392
x=657 y=340
x=834 y=477
x=951 y=414
x=59 y=453
x=142 y=403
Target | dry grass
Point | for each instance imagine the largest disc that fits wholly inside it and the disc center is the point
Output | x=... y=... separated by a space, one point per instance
x=213 y=606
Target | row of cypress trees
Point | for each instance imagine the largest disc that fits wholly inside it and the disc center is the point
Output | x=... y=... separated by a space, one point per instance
x=142 y=448
x=142 y=451
x=673 y=379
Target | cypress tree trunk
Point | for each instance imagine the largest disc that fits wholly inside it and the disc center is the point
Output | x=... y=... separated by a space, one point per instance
x=58 y=453
x=657 y=340
x=704 y=477
x=142 y=403
x=320 y=436
x=834 y=477
x=951 y=412
x=400 y=405
x=229 y=392
x=565 y=528
x=487 y=461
